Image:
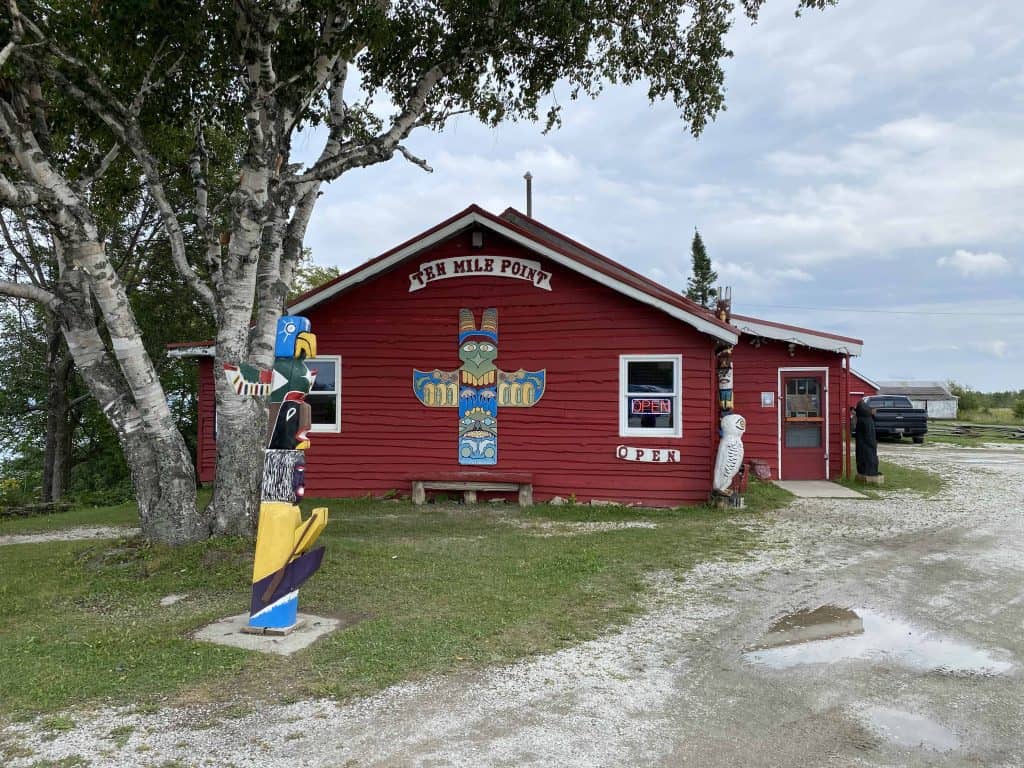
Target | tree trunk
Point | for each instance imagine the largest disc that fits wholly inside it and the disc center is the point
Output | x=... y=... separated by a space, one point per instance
x=241 y=421
x=64 y=446
x=157 y=456
x=56 y=410
x=60 y=424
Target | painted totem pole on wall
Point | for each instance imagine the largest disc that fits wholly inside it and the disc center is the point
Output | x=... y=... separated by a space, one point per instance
x=729 y=461
x=478 y=388
x=283 y=560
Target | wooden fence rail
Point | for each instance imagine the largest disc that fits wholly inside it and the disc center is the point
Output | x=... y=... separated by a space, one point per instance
x=976 y=430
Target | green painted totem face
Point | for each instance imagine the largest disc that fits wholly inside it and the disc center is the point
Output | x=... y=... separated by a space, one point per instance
x=478 y=356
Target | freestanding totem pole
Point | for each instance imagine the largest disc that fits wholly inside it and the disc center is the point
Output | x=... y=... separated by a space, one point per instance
x=729 y=462
x=284 y=559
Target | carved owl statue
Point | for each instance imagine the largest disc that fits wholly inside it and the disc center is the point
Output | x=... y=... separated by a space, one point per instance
x=730 y=452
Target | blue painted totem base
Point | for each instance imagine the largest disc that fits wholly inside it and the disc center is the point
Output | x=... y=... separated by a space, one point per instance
x=477 y=451
x=281 y=614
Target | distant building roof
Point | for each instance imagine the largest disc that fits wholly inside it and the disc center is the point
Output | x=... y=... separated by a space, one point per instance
x=933 y=390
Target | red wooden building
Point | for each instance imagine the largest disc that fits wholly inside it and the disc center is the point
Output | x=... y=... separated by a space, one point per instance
x=790 y=386
x=606 y=385
x=860 y=387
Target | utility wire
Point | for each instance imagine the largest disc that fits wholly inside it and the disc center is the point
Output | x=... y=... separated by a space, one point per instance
x=885 y=311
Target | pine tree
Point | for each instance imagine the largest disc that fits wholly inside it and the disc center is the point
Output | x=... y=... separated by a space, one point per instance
x=699 y=286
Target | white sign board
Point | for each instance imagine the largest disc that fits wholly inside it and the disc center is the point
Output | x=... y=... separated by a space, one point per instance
x=467 y=266
x=651 y=455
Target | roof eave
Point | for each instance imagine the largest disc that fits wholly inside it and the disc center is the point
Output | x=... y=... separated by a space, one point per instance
x=803 y=338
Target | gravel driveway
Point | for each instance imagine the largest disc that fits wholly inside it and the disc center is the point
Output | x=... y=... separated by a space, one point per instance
x=930 y=674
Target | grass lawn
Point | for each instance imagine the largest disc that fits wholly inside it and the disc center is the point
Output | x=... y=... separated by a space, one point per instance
x=994 y=425
x=1003 y=416
x=900 y=478
x=427 y=589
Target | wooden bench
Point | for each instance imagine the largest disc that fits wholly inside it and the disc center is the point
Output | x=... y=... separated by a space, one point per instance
x=472 y=482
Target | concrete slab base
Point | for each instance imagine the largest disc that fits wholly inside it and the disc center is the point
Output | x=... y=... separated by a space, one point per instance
x=818 y=489
x=231 y=631
x=871 y=479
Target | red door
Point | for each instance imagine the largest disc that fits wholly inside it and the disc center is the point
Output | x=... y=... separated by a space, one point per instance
x=804 y=445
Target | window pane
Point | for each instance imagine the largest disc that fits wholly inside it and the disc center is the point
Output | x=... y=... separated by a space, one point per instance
x=326 y=375
x=323 y=409
x=802 y=398
x=651 y=376
x=803 y=435
x=651 y=412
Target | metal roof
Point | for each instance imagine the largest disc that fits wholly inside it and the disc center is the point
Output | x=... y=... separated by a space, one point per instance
x=933 y=390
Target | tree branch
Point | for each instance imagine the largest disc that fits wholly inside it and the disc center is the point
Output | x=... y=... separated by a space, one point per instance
x=415 y=160
x=34 y=271
x=18 y=194
x=384 y=145
x=31 y=293
x=101 y=167
x=17 y=32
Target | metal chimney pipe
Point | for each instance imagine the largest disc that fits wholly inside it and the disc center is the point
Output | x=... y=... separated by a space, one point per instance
x=529 y=194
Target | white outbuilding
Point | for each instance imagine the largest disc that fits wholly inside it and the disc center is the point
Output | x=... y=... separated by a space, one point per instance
x=933 y=396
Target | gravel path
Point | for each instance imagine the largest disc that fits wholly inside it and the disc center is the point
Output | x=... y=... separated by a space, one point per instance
x=936 y=679
x=70 y=534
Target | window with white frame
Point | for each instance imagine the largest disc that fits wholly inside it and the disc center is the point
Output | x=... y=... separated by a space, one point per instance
x=650 y=395
x=325 y=397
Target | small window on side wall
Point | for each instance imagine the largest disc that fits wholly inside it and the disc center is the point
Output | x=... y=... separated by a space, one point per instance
x=650 y=396
x=325 y=397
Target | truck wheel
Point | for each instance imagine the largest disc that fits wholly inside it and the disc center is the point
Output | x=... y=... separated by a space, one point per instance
x=918 y=439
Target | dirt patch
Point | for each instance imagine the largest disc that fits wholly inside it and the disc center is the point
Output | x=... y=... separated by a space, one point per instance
x=571 y=528
x=70 y=534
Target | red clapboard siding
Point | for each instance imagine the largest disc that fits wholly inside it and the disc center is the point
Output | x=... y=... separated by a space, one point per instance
x=206 y=450
x=859 y=388
x=567 y=441
x=756 y=370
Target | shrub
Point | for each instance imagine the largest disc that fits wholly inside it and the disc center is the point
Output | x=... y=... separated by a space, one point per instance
x=970 y=400
x=1018 y=409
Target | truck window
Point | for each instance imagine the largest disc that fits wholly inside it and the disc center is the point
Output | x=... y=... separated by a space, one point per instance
x=891 y=402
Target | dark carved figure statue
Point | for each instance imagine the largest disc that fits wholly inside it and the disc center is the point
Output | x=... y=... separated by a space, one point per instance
x=867 y=442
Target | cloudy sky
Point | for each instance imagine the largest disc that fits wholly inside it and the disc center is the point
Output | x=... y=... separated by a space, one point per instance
x=867 y=178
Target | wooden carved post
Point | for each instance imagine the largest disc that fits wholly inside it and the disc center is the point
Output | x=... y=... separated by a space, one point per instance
x=283 y=559
x=729 y=462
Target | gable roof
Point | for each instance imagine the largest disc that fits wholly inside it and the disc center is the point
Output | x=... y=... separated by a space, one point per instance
x=563 y=250
x=830 y=342
x=934 y=390
x=863 y=378
x=544 y=242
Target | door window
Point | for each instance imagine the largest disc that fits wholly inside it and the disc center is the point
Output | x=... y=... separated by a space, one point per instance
x=803 y=399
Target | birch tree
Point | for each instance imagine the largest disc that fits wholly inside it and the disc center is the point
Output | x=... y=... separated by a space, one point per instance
x=122 y=78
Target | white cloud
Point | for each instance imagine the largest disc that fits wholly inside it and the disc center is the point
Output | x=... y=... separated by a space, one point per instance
x=970 y=264
x=933 y=57
x=913 y=182
x=872 y=131
x=994 y=347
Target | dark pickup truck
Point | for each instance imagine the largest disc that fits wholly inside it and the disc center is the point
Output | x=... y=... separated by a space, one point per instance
x=895 y=417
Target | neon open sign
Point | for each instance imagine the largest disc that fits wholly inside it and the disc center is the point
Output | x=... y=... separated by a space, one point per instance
x=648 y=405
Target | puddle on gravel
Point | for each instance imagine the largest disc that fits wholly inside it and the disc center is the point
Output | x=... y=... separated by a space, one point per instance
x=824 y=623
x=829 y=634
x=907 y=729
